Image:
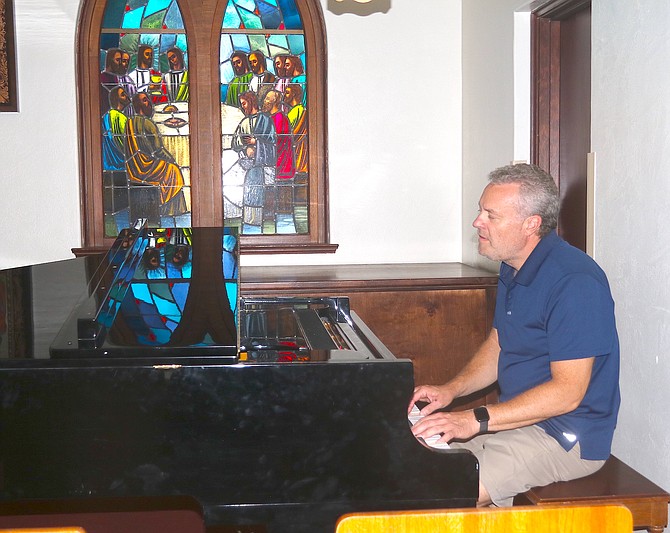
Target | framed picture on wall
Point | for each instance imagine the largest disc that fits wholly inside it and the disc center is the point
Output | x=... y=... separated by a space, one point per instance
x=8 y=93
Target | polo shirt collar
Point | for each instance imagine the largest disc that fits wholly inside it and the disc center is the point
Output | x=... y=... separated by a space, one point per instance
x=530 y=268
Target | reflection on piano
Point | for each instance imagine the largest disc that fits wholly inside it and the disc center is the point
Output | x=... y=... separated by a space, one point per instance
x=165 y=381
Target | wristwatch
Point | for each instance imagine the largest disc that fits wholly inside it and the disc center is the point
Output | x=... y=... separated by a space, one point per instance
x=482 y=416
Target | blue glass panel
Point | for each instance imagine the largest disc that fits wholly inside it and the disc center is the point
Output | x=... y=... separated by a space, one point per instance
x=231 y=290
x=270 y=16
x=141 y=292
x=231 y=19
x=173 y=19
x=227 y=72
x=292 y=19
x=271 y=2
x=225 y=48
x=180 y=41
x=251 y=21
x=297 y=45
x=113 y=13
x=133 y=19
x=167 y=42
x=241 y=42
x=180 y=291
x=157 y=5
x=166 y=307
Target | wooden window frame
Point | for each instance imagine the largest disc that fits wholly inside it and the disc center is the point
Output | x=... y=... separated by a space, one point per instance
x=202 y=21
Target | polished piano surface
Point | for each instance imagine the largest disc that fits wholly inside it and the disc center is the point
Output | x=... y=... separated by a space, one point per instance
x=144 y=372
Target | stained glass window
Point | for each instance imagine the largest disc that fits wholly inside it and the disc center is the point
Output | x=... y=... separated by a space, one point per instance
x=263 y=82
x=144 y=99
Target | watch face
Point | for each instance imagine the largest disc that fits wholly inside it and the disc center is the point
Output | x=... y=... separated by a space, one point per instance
x=481 y=414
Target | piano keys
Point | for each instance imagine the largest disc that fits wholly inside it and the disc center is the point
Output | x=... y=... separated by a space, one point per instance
x=283 y=412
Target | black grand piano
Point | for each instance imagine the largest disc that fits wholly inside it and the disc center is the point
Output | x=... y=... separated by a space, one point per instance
x=144 y=373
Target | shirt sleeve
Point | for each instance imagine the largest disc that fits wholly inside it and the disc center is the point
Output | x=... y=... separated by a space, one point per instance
x=580 y=318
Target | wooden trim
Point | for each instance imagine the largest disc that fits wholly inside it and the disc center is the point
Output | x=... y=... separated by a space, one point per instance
x=546 y=91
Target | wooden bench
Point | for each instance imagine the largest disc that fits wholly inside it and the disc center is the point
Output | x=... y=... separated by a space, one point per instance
x=614 y=483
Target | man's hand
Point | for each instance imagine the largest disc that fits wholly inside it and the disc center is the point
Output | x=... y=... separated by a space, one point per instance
x=454 y=425
x=436 y=398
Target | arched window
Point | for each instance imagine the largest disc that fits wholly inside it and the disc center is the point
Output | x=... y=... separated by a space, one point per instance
x=166 y=133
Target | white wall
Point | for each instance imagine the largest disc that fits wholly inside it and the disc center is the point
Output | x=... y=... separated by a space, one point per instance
x=488 y=105
x=38 y=149
x=631 y=136
x=394 y=131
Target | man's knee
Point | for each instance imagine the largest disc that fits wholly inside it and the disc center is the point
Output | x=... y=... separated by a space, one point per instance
x=484 y=500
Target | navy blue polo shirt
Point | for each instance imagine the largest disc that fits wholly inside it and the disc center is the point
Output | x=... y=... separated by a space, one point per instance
x=558 y=307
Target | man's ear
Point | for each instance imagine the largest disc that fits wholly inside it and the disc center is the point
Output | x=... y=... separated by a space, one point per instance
x=532 y=224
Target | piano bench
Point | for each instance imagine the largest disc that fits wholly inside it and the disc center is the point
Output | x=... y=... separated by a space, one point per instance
x=614 y=483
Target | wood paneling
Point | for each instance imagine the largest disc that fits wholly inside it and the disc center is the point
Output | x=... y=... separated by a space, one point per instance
x=434 y=314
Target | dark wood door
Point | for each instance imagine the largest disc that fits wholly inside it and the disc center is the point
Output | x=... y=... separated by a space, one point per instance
x=561 y=70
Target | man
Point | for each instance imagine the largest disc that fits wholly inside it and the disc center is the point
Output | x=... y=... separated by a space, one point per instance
x=553 y=350
x=240 y=83
x=114 y=130
x=272 y=106
x=176 y=79
x=297 y=117
x=255 y=143
x=115 y=74
x=262 y=80
x=149 y=163
x=295 y=72
x=146 y=78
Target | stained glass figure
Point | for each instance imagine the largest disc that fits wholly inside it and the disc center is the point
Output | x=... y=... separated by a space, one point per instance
x=144 y=99
x=263 y=80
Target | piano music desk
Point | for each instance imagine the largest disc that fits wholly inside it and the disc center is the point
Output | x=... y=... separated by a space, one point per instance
x=614 y=483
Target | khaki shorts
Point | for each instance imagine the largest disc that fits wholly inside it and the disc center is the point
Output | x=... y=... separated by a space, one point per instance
x=513 y=461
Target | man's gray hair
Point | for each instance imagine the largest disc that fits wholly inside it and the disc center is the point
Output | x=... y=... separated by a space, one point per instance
x=538 y=193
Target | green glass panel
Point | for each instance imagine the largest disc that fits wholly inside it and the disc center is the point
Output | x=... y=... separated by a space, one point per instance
x=251 y=21
x=249 y=5
x=154 y=21
x=258 y=42
x=231 y=18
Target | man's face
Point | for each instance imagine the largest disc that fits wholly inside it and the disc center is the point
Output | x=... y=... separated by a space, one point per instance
x=269 y=102
x=173 y=59
x=147 y=58
x=238 y=66
x=500 y=226
x=125 y=61
x=256 y=64
x=279 y=66
x=289 y=67
x=145 y=105
x=123 y=98
x=117 y=64
x=288 y=95
x=247 y=106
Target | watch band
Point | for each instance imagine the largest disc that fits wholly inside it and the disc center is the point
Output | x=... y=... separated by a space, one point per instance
x=482 y=416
